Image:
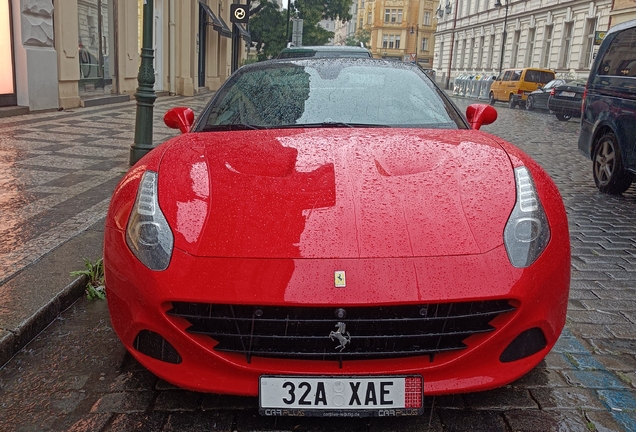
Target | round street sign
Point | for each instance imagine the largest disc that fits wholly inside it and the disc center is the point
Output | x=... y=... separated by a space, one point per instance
x=239 y=13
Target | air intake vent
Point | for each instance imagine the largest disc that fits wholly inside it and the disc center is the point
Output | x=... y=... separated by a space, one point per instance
x=154 y=345
x=318 y=332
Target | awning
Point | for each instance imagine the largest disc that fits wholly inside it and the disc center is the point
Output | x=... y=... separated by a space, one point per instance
x=217 y=22
x=247 y=37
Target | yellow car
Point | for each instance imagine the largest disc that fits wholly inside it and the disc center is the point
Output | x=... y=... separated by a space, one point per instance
x=514 y=85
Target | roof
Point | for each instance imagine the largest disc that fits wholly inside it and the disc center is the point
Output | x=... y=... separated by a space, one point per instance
x=324 y=51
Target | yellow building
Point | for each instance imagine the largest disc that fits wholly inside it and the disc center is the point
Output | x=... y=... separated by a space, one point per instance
x=400 y=29
x=622 y=10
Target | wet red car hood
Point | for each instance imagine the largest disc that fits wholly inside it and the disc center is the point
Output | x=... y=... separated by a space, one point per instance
x=336 y=193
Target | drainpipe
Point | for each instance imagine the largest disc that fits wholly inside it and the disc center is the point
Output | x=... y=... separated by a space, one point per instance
x=452 y=47
x=172 y=68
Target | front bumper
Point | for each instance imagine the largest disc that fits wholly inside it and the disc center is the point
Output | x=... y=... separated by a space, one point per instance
x=139 y=298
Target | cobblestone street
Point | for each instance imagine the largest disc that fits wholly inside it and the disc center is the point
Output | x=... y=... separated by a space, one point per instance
x=77 y=376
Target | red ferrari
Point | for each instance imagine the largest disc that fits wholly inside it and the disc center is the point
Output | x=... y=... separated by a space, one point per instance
x=336 y=238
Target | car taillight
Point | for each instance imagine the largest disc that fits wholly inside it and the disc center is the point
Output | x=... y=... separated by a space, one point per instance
x=583 y=103
x=520 y=92
x=552 y=92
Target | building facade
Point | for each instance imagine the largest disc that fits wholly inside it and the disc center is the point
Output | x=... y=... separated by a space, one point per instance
x=67 y=53
x=622 y=10
x=400 y=29
x=481 y=37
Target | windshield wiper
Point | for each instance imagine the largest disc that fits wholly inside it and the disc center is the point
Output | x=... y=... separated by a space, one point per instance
x=335 y=125
x=231 y=127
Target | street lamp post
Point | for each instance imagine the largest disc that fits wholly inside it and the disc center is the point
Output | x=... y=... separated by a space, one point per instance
x=145 y=94
x=498 y=5
x=416 y=30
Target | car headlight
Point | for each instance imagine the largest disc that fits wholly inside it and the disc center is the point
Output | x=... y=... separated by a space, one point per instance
x=527 y=232
x=148 y=234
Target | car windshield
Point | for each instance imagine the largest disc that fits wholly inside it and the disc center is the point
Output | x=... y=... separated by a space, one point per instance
x=329 y=93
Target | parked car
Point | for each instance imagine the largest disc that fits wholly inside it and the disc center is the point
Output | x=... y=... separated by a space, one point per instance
x=565 y=100
x=307 y=240
x=538 y=99
x=324 y=51
x=514 y=85
x=608 y=123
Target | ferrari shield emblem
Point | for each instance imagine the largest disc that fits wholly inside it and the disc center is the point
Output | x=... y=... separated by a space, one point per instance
x=339 y=279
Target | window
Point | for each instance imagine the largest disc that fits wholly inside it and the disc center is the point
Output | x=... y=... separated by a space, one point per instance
x=391 y=41
x=515 y=48
x=362 y=4
x=506 y=76
x=427 y=18
x=491 y=51
x=467 y=10
x=588 y=42
x=441 y=55
x=515 y=75
x=530 y=47
x=361 y=23
x=393 y=15
x=480 y=52
x=471 y=53
x=397 y=42
x=424 y=44
x=462 y=57
x=547 y=46
x=369 y=18
x=385 y=41
x=620 y=59
x=566 y=46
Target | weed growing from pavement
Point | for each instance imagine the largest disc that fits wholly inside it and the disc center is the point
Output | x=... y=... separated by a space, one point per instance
x=95 y=273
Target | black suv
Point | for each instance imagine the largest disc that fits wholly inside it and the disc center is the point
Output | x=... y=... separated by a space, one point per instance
x=608 y=123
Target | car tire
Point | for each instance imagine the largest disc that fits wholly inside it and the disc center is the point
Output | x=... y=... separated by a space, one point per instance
x=530 y=103
x=562 y=117
x=610 y=175
x=512 y=103
x=491 y=98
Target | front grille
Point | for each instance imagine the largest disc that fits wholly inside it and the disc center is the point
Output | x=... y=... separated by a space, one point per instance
x=375 y=332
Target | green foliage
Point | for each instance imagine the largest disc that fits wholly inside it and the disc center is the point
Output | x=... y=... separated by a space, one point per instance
x=267 y=27
x=268 y=24
x=316 y=35
x=95 y=274
x=361 y=35
x=312 y=11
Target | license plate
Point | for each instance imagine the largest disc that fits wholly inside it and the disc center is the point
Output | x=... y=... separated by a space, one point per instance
x=342 y=396
x=568 y=94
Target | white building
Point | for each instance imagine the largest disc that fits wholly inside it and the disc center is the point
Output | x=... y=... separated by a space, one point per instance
x=553 y=34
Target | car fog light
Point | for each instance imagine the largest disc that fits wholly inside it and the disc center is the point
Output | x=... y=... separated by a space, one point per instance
x=148 y=234
x=527 y=232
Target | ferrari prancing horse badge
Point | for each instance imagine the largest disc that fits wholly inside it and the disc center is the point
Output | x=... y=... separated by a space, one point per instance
x=339 y=279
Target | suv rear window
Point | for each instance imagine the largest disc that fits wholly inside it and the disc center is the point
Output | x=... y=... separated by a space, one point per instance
x=620 y=58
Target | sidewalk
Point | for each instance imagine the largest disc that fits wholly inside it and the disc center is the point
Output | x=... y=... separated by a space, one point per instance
x=57 y=173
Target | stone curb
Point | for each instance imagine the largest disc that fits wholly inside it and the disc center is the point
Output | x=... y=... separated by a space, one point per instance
x=16 y=339
x=37 y=295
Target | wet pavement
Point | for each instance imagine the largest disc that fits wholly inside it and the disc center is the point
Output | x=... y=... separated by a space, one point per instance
x=57 y=173
x=76 y=376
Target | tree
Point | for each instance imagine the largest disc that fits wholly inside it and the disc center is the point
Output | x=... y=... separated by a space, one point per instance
x=267 y=27
x=313 y=11
x=361 y=36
